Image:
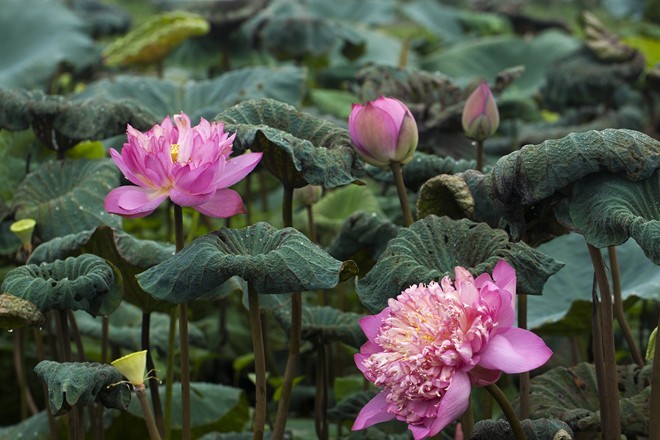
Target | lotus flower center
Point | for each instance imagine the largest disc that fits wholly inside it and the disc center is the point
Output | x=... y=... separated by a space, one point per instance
x=175 y=152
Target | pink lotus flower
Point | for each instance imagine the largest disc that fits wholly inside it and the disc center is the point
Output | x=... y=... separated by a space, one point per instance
x=432 y=343
x=190 y=165
x=383 y=131
x=480 y=115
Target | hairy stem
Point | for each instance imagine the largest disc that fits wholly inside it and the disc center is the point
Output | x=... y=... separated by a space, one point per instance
x=169 y=380
x=403 y=195
x=480 y=156
x=141 y=394
x=507 y=409
x=259 y=363
x=153 y=382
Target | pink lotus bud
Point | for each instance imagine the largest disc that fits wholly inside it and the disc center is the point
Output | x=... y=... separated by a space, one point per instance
x=480 y=115
x=383 y=131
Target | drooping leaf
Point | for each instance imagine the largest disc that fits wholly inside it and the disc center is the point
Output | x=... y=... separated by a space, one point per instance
x=201 y=98
x=299 y=148
x=65 y=197
x=432 y=247
x=212 y=407
x=571 y=395
x=125 y=330
x=130 y=255
x=82 y=383
x=322 y=325
x=270 y=260
x=56 y=35
x=155 y=38
x=448 y=195
x=17 y=312
x=608 y=210
x=539 y=429
x=86 y=283
x=536 y=172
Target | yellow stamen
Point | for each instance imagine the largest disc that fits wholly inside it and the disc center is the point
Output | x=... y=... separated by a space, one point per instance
x=175 y=152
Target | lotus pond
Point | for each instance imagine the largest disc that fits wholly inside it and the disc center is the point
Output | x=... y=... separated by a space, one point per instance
x=373 y=219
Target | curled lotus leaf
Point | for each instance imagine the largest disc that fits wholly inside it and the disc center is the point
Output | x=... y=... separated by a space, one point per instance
x=17 y=312
x=538 y=429
x=155 y=38
x=87 y=283
x=432 y=247
x=299 y=148
x=534 y=173
x=445 y=194
x=323 y=324
x=65 y=197
x=82 y=383
x=608 y=210
x=270 y=260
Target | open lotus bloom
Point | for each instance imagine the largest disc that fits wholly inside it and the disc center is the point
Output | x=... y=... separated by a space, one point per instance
x=383 y=131
x=190 y=165
x=132 y=366
x=480 y=115
x=433 y=343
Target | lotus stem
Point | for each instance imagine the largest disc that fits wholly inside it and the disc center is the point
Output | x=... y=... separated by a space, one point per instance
x=654 y=421
x=259 y=363
x=480 y=156
x=311 y=224
x=507 y=409
x=321 y=400
x=41 y=355
x=523 y=377
x=467 y=421
x=27 y=402
x=618 y=307
x=610 y=411
x=153 y=382
x=403 y=195
x=183 y=337
x=403 y=53
x=295 y=335
x=169 y=380
x=597 y=342
x=141 y=394
x=76 y=336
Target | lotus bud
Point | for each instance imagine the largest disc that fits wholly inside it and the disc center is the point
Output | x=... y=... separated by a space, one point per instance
x=480 y=115
x=307 y=195
x=383 y=131
x=23 y=230
x=132 y=366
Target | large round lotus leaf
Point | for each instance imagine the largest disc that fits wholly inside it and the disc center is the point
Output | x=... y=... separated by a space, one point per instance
x=60 y=123
x=608 y=210
x=212 y=406
x=289 y=29
x=421 y=168
x=86 y=283
x=536 y=172
x=571 y=395
x=127 y=253
x=566 y=298
x=82 y=383
x=155 y=38
x=322 y=325
x=299 y=148
x=270 y=260
x=201 y=98
x=36 y=37
x=17 y=312
x=539 y=429
x=34 y=427
x=65 y=197
x=432 y=247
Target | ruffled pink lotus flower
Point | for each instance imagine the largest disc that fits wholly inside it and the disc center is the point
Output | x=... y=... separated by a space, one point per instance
x=190 y=165
x=432 y=343
x=480 y=115
x=383 y=131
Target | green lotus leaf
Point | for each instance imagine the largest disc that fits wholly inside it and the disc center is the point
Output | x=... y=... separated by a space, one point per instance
x=608 y=210
x=86 y=283
x=270 y=260
x=15 y=148
x=289 y=29
x=205 y=98
x=155 y=38
x=56 y=36
x=102 y=18
x=82 y=383
x=65 y=197
x=125 y=329
x=34 y=427
x=432 y=247
x=349 y=407
x=534 y=173
x=130 y=255
x=220 y=13
x=539 y=429
x=322 y=325
x=60 y=123
x=212 y=406
x=421 y=168
x=571 y=395
x=17 y=312
x=445 y=194
x=299 y=148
